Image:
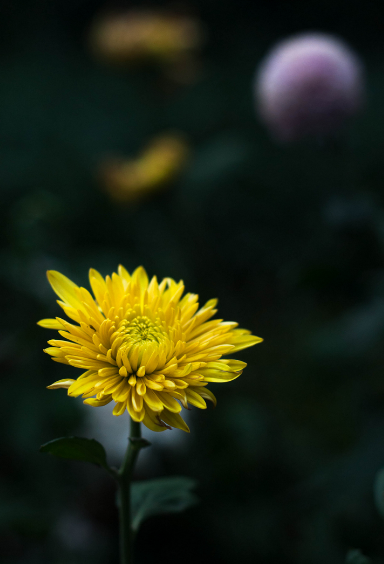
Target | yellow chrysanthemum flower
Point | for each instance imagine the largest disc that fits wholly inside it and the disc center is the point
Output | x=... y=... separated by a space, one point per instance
x=142 y=345
x=140 y=35
x=160 y=163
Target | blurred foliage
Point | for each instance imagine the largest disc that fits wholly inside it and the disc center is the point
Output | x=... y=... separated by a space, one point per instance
x=290 y=238
x=355 y=557
x=165 y=495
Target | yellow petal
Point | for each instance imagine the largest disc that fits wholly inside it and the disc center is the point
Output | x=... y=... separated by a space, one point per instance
x=242 y=339
x=136 y=415
x=181 y=396
x=141 y=388
x=141 y=371
x=83 y=385
x=195 y=399
x=133 y=356
x=153 y=402
x=54 y=351
x=137 y=401
x=98 y=285
x=153 y=385
x=153 y=422
x=124 y=275
x=169 y=402
x=140 y=278
x=152 y=362
x=206 y=394
x=64 y=288
x=111 y=385
x=121 y=391
x=174 y=420
x=69 y=311
x=119 y=408
x=61 y=360
x=227 y=365
x=212 y=375
x=86 y=374
x=98 y=403
x=61 y=384
x=50 y=324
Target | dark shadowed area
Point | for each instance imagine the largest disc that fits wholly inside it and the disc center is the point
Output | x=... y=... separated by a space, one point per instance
x=288 y=236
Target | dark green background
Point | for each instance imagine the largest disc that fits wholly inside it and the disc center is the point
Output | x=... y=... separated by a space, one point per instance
x=291 y=240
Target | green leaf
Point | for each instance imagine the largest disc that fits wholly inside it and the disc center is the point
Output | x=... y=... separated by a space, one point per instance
x=356 y=557
x=77 y=448
x=164 y=495
x=378 y=490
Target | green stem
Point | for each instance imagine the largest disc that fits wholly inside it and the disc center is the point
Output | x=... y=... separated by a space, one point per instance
x=124 y=481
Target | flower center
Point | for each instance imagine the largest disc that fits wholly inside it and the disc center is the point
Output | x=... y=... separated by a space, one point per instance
x=141 y=330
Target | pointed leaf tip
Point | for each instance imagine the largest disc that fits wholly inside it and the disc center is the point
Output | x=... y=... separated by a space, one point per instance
x=77 y=448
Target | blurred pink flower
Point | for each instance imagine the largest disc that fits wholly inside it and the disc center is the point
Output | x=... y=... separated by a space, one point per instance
x=308 y=85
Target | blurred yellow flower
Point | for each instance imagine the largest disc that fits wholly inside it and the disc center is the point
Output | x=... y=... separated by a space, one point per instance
x=139 y=35
x=143 y=345
x=157 y=166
